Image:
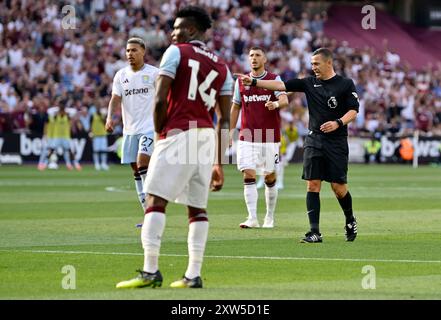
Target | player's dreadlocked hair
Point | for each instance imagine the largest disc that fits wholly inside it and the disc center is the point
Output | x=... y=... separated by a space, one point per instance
x=198 y=16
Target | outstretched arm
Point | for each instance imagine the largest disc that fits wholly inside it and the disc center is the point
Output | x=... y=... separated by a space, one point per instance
x=273 y=85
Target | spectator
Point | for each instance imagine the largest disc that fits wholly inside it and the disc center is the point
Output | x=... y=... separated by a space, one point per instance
x=87 y=57
x=38 y=117
x=372 y=150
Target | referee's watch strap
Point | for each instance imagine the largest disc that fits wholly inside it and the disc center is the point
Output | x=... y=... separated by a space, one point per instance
x=339 y=122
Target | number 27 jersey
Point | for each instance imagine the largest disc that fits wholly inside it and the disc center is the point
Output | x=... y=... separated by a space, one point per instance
x=200 y=77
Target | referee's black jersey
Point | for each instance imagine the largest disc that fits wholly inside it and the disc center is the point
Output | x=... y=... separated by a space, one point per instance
x=328 y=100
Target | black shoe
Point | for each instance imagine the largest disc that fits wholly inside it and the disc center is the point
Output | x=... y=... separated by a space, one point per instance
x=187 y=283
x=351 y=230
x=312 y=237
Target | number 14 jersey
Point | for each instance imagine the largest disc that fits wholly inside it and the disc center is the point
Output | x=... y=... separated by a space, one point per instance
x=200 y=77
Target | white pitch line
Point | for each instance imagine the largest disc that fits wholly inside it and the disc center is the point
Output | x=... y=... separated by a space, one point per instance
x=226 y=257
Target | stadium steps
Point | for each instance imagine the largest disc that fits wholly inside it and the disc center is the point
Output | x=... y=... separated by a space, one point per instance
x=415 y=45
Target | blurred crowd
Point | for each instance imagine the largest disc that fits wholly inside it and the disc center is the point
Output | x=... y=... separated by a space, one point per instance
x=48 y=58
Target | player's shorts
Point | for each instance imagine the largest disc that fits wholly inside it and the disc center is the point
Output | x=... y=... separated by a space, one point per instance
x=134 y=144
x=325 y=158
x=181 y=166
x=61 y=143
x=260 y=157
x=99 y=144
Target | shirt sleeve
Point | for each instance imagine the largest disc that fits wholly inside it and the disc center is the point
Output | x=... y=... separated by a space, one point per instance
x=227 y=88
x=237 y=98
x=295 y=85
x=116 y=87
x=170 y=62
x=278 y=93
x=351 y=99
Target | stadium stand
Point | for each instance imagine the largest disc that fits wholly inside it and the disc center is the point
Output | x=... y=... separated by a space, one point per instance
x=343 y=24
x=41 y=61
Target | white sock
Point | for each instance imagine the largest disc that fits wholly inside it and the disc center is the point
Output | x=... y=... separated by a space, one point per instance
x=271 y=199
x=251 y=195
x=139 y=192
x=197 y=238
x=280 y=173
x=260 y=182
x=143 y=175
x=151 y=234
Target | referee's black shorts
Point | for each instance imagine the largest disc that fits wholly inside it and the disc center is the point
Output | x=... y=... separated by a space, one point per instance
x=325 y=158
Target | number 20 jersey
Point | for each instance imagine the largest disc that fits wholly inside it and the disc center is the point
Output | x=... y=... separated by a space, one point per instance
x=200 y=77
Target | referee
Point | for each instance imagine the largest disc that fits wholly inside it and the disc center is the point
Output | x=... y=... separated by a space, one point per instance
x=332 y=103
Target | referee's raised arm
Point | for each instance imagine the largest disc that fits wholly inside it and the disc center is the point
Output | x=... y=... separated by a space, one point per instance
x=273 y=85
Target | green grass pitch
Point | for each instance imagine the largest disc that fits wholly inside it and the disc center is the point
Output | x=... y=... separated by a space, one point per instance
x=53 y=219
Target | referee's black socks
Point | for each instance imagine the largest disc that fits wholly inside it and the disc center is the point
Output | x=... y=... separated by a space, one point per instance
x=346 y=205
x=313 y=207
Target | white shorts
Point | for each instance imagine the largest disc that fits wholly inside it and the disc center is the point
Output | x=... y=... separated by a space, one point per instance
x=260 y=157
x=180 y=167
x=132 y=145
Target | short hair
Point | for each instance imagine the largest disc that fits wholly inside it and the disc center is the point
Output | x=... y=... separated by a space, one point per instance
x=198 y=16
x=138 y=41
x=325 y=52
x=257 y=48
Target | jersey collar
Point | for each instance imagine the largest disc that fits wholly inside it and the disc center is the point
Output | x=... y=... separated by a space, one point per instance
x=142 y=68
x=198 y=43
x=263 y=75
x=329 y=80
